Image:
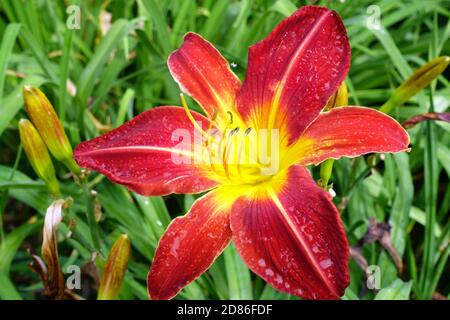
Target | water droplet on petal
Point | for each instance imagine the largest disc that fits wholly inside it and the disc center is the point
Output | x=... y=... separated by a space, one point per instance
x=326 y=263
x=261 y=263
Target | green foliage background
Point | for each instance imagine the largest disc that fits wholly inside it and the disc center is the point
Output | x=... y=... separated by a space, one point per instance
x=121 y=73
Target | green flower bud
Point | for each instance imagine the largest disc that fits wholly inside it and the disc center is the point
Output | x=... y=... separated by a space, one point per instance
x=339 y=99
x=38 y=155
x=44 y=118
x=421 y=78
x=115 y=269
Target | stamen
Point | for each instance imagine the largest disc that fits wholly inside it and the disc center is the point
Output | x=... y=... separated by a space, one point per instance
x=191 y=118
x=213 y=120
x=234 y=131
x=241 y=148
x=231 y=116
x=211 y=156
x=225 y=155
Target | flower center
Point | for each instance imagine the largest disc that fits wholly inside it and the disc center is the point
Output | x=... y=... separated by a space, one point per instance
x=235 y=153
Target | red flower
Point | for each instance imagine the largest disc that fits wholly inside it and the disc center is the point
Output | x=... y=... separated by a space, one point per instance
x=285 y=228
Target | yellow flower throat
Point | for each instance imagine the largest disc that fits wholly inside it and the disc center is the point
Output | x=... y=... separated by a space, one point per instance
x=236 y=153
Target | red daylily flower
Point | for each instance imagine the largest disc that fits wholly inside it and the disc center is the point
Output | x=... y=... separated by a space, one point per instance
x=286 y=228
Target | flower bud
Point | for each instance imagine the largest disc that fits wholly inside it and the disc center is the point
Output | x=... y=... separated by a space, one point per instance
x=44 y=118
x=339 y=99
x=115 y=269
x=421 y=78
x=326 y=169
x=49 y=251
x=38 y=155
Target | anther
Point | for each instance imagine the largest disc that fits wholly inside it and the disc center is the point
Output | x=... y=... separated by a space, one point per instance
x=231 y=116
x=234 y=131
x=214 y=116
x=213 y=119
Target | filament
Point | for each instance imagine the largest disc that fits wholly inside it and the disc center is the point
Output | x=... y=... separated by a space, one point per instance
x=191 y=118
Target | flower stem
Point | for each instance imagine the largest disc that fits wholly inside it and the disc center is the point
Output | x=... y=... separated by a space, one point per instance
x=388 y=106
x=91 y=197
x=72 y=166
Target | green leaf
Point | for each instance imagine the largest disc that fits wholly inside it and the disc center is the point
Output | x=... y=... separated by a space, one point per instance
x=125 y=104
x=91 y=73
x=31 y=197
x=443 y=155
x=8 y=40
x=155 y=15
x=7 y=289
x=13 y=102
x=64 y=72
x=350 y=295
x=285 y=7
x=420 y=216
x=399 y=217
x=398 y=290
x=12 y=242
x=397 y=58
x=238 y=275
x=151 y=215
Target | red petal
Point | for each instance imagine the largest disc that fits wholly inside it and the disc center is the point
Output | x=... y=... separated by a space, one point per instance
x=294 y=71
x=204 y=74
x=294 y=238
x=350 y=132
x=140 y=154
x=189 y=247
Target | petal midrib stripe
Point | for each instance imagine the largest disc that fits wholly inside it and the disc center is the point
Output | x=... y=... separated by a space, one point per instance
x=278 y=91
x=123 y=149
x=301 y=240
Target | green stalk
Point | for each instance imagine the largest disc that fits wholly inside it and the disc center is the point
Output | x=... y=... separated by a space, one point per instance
x=90 y=198
x=72 y=166
x=440 y=267
x=430 y=206
x=388 y=106
x=93 y=227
